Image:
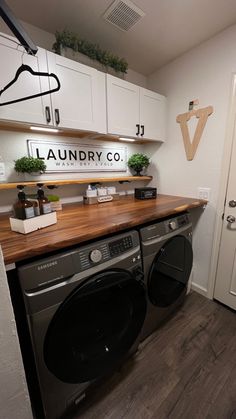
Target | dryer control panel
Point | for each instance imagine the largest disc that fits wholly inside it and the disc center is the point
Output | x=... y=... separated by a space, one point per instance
x=176 y=222
x=162 y=228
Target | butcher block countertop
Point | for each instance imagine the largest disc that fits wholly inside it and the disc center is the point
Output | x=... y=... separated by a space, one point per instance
x=78 y=223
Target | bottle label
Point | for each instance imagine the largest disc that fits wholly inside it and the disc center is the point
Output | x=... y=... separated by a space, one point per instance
x=47 y=208
x=29 y=212
x=2 y=171
x=36 y=211
x=36 y=206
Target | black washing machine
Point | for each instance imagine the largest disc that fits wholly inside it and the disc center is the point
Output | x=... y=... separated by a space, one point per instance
x=85 y=310
x=167 y=263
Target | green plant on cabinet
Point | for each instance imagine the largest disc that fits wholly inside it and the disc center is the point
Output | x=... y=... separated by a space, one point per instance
x=67 y=39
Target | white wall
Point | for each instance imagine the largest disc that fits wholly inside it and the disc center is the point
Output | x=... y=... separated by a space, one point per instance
x=204 y=73
x=14 y=398
x=136 y=78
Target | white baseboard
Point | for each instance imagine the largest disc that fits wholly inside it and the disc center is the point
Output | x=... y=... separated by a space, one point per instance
x=199 y=289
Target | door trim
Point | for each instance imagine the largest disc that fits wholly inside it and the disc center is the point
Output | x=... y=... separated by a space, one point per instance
x=230 y=137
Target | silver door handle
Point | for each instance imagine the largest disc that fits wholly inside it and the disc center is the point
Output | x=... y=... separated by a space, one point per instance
x=231 y=219
x=232 y=203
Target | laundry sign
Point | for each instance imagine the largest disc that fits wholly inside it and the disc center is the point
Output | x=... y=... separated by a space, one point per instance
x=70 y=157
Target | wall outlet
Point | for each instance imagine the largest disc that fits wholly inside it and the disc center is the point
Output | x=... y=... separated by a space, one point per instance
x=204 y=193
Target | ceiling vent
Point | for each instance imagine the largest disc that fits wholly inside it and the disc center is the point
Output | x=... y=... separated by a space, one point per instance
x=123 y=14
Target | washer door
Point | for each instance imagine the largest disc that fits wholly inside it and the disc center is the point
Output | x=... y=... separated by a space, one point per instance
x=170 y=272
x=95 y=327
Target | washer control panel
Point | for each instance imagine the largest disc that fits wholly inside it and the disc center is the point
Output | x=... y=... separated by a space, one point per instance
x=124 y=249
x=105 y=250
x=95 y=256
x=119 y=246
x=91 y=255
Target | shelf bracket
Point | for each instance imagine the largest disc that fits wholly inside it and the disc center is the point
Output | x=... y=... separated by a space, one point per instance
x=124 y=181
x=95 y=183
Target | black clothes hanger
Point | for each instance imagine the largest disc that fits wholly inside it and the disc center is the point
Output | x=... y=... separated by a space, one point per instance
x=20 y=70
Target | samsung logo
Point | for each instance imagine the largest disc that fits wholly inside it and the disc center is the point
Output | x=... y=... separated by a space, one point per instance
x=47 y=265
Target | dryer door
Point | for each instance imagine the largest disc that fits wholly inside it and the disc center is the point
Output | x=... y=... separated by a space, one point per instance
x=170 y=272
x=95 y=326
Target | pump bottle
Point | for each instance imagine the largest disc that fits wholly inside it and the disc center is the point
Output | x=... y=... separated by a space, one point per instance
x=44 y=204
x=23 y=208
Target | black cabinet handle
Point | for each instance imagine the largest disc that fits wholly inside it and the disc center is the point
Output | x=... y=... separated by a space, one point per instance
x=47 y=114
x=57 y=116
x=142 y=130
x=138 y=129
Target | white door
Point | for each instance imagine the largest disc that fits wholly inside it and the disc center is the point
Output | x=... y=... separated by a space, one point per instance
x=152 y=115
x=122 y=107
x=76 y=105
x=225 y=287
x=32 y=110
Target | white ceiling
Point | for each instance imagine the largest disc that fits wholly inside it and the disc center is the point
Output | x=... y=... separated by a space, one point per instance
x=168 y=29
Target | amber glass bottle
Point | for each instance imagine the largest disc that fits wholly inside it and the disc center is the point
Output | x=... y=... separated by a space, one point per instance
x=44 y=204
x=23 y=208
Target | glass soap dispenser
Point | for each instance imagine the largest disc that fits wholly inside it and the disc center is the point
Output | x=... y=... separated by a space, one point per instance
x=23 y=208
x=44 y=204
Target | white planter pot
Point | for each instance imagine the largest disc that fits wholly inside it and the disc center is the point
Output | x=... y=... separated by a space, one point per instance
x=29 y=177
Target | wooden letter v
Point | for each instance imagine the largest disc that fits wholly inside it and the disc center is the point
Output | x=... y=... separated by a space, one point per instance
x=182 y=119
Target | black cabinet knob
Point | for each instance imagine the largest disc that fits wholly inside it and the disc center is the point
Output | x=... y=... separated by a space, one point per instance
x=47 y=114
x=57 y=116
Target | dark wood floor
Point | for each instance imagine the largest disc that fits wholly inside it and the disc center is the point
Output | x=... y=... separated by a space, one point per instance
x=185 y=370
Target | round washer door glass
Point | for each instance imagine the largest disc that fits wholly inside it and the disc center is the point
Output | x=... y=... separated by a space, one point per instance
x=170 y=272
x=95 y=327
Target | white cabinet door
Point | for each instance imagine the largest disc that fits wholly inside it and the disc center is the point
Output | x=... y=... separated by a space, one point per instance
x=135 y=112
x=152 y=115
x=122 y=107
x=76 y=105
x=32 y=110
x=225 y=286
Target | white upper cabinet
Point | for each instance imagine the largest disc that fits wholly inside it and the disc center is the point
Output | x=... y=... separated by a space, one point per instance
x=32 y=110
x=88 y=100
x=122 y=107
x=134 y=112
x=152 y=115
x=80 y=103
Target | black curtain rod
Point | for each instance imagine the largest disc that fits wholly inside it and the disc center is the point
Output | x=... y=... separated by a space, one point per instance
x=17 y=28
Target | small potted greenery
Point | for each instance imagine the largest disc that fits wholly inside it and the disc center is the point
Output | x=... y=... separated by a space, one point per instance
x=31 y=165
x=72 y=46
x=138 y=162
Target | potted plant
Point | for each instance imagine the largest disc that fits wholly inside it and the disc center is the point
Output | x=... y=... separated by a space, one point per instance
x=72 y=46
x=31 y=165
x=138 y=162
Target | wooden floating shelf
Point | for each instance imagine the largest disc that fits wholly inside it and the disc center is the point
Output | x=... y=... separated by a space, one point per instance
x=13 y=185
